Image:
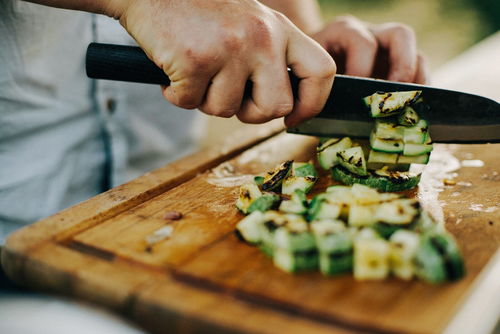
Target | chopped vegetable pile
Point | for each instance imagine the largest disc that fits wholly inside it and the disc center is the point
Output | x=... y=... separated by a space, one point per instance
x=399 y=138
x=354 y=228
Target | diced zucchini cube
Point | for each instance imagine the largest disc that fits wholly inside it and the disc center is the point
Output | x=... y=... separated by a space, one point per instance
x=249 y=228
x=371 y=259
x=330 y=235
x=386 y=145
x=297 y=203
x=408 y=117
x=274 y=178
x=336 y=262
x=364 y=195
x=303 y=169
x=418 y=159
x=416 y=134
x=404 y=245
x=327 y=151
x=386 y=230
x=353 y=160
x=272 y=221
x=295 y=261
x=398 y=212
x=294 y=236
x=293 y=183
x=248 y=194
x=362 y=215
x=377 y=160
x=264 y=203
x=388 y=130
x=322 y=208
x=412 y=150
x=429 y=265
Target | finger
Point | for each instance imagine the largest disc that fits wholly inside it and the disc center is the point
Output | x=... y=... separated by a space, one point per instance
x=225 y=94
x=361 y=51
x=422 y=76
x=316 y=70
x=271 y=95
x=401 y=43
x=187 y=93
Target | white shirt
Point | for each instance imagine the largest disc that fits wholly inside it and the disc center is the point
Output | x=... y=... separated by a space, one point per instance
x=64 y=137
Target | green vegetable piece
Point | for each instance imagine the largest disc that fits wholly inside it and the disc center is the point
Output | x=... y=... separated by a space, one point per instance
x=264 y=203
x=408 y=117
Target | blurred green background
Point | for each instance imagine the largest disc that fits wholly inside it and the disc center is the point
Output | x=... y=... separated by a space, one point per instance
x=444 y=28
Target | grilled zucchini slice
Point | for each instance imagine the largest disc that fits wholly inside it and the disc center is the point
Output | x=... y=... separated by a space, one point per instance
x=248 y=194
x=274 y=178
x=327 y=151
x=377 y=160
x=386 y=145
x=296 y=204
x=353 y=160
x=402 y=211
x=388 y=104
x=383 y=180
x=418 y=159
x=385 y=129
x=416 y=134
x=408 y=117
x=302 y=177
x=411 y=150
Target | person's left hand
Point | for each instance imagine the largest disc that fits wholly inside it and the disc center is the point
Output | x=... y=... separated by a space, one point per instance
x=386 y=51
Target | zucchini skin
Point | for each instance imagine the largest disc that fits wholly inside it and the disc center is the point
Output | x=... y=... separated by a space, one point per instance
x=372 y=180
x=274 y=178
x=353 y=159
x=264 y=203
x=438 y=259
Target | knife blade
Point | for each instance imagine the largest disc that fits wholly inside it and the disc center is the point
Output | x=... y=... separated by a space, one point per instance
x=454 y=117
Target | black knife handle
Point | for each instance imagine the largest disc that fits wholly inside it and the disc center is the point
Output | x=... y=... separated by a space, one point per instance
x=130 y=63
x=122 y=63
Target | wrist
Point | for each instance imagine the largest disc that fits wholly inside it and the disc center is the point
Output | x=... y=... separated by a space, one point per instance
x=114 y=8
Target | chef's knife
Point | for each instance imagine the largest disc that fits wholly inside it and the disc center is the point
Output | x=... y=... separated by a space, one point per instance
x=454 y=117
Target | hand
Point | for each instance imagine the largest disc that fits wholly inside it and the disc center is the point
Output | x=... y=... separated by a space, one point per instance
x=210 y=49
x=386 y=51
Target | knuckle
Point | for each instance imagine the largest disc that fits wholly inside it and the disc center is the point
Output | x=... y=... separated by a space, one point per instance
x=328 y=68
x=259 y=31
x=369 y=41
x=346 y=19
x=232 y=41
x=402 y=30
x=197 y=61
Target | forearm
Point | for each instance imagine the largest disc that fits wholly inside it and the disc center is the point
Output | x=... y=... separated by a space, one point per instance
x=305 y=14
x=111 y=8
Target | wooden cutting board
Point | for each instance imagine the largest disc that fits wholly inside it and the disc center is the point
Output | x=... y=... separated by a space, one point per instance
x=203 y=278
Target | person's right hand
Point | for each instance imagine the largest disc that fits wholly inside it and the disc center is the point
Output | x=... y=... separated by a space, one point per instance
x=210 y=49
